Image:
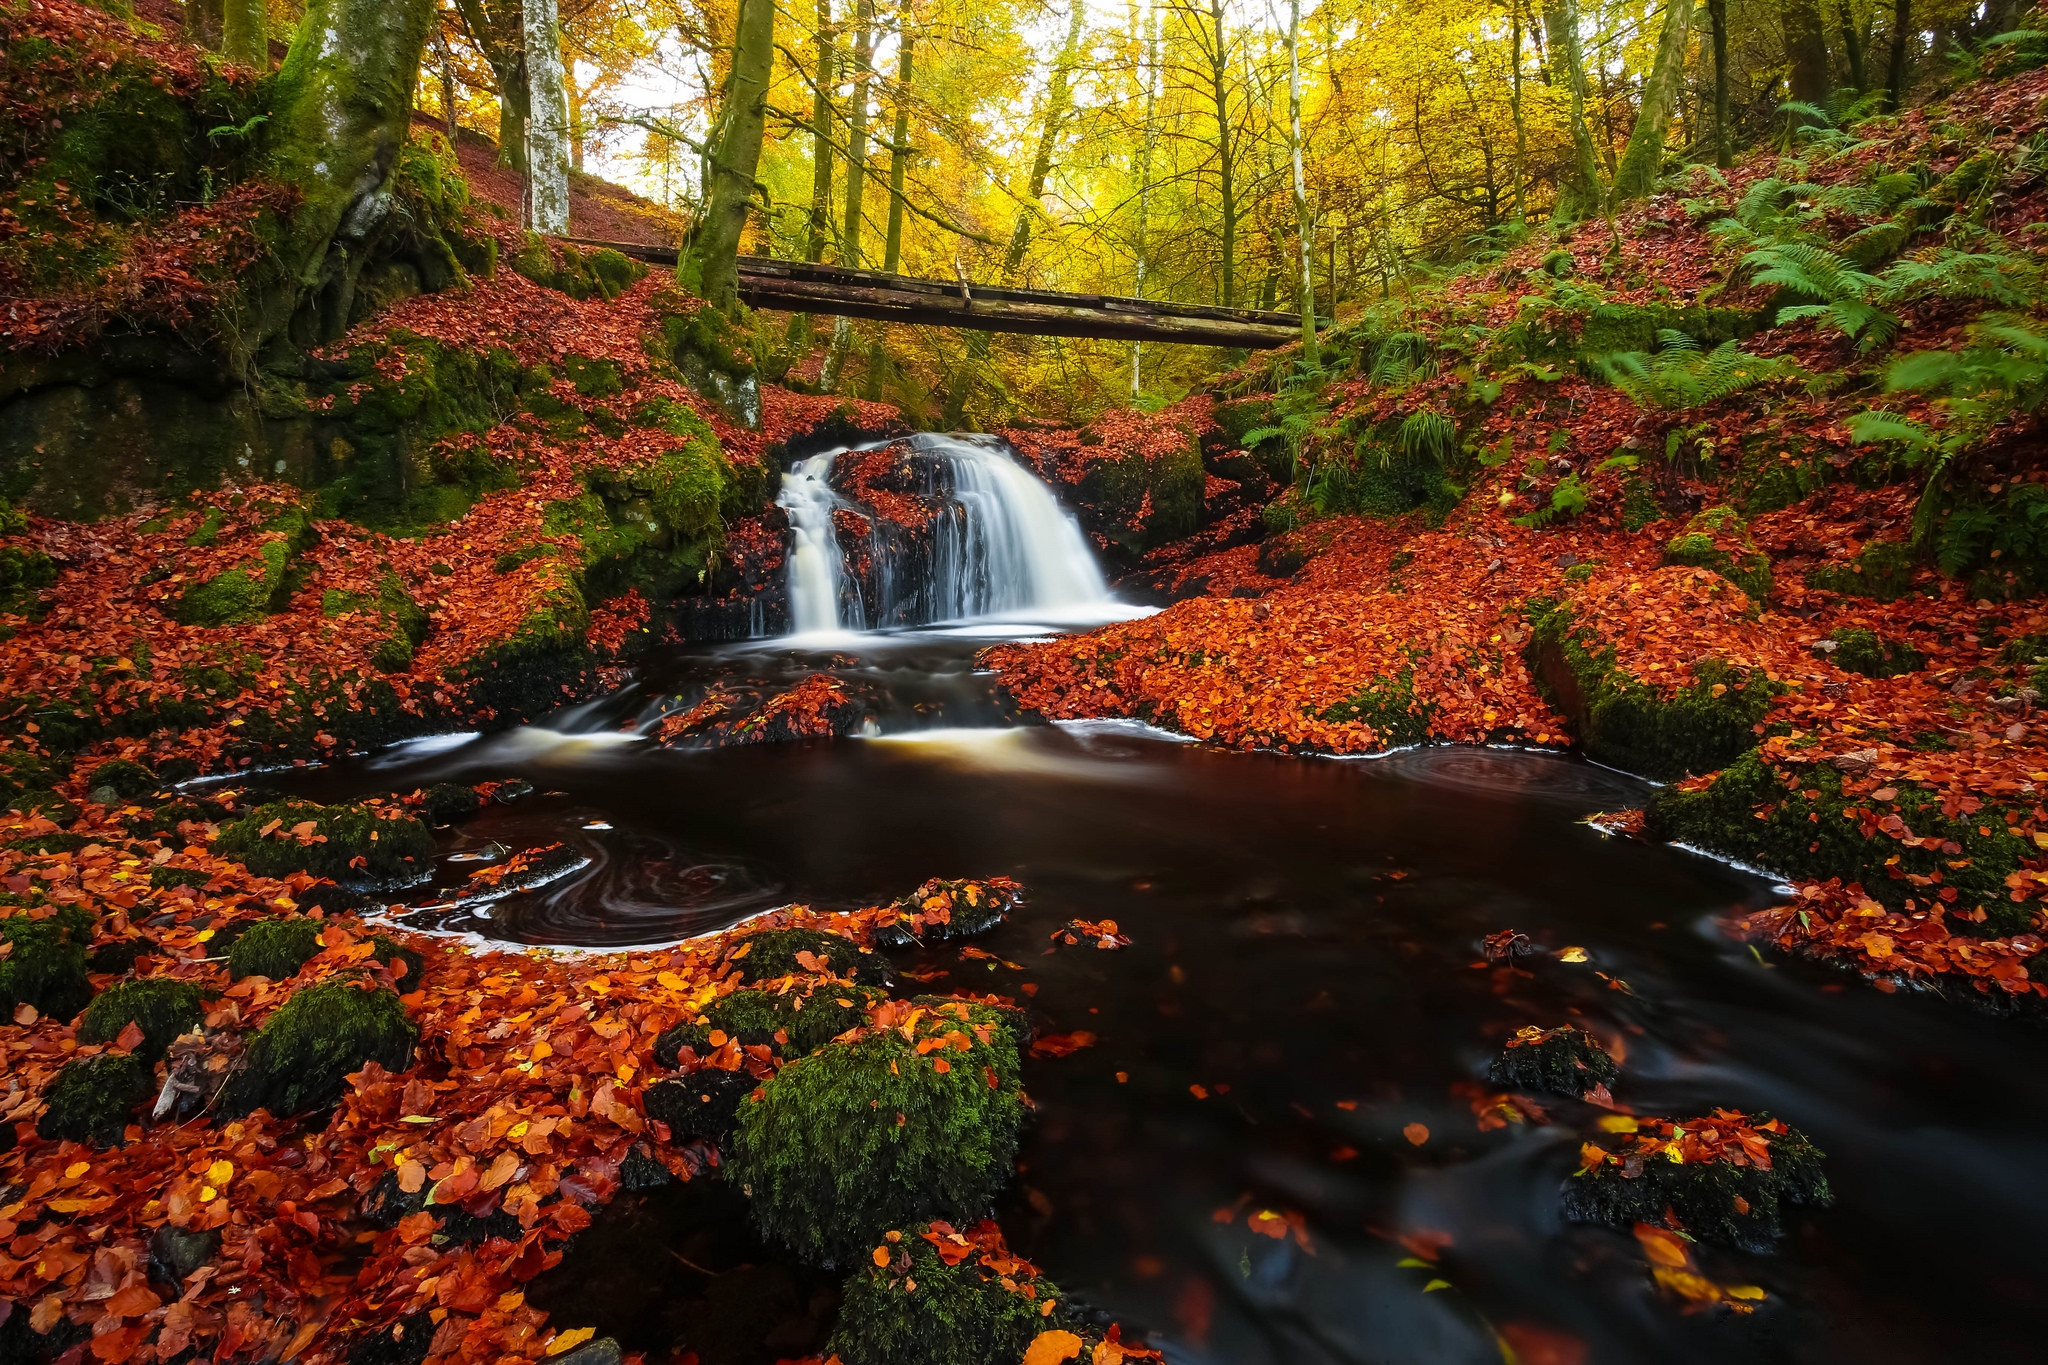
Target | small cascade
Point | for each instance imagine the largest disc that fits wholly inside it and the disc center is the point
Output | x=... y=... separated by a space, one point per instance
x=987 y=539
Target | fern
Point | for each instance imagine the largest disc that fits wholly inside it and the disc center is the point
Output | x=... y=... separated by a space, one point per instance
x=1679 y=377
x=1428 y=432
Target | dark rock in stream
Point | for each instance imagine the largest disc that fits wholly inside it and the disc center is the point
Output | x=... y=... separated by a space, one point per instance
x=1715 y=1201
x=701 y=1104
x=1562 y=1061
x=941 y=910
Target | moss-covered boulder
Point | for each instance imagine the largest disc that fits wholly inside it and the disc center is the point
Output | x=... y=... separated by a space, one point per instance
x=922 y=1308
x=94 y=1097
x=408 y=966
x=1718 y=539
x=446 y=802
x=1738 y=1196
x=394 y=607
x=1142 y=498
x=791 y=1023
x=301 y=1056
x=1883 y=569
x=274 y=948
x=254 y=587
x=163 y=1009
x=1865 y=651
x=603 y=273
x=283 y=837
x=883 y=1132
x=773 y=953
x=46 y=962
x=124 y=778
x=1622 y=721
x=1562 y=1061
x=1798 y=823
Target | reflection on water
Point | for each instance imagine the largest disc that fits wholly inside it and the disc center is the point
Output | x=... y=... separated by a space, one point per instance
x=1307 y=953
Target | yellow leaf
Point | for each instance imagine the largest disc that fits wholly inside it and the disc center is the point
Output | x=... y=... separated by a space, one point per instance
x=1617 y=1123
x=1435 y=1285
x=1574 y=954
x=672 y=981
x=570 y=1340
x=1050 y=1348
x=1744 y=1291
x=202 y=936
x=220 y=1173
x=76 y=1169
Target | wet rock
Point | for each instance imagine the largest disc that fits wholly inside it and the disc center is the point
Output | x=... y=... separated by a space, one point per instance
x=176 y=1252
x=461 y=1228
x=603 y=1351
x=387 y=1204
x=941 y=910
x=641 y=1171
x=444 y=803
x=1563 y=1061
x=1739 y=1205
x=701 y=1104
x=512 y=792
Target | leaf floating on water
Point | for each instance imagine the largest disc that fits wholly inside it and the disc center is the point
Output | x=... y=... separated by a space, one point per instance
x=1574 y=954
x=1416 y=1133
x=1052 y=1348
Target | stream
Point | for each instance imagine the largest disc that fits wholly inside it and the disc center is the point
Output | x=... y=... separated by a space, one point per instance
x=1305 y=982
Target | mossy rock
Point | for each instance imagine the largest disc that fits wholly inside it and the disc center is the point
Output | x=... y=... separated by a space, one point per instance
x=1704 y=1195
x=771 y=953
x=703 y=1104
x=605 y=272
x=1621 y=721
x=1811 y=838
x=393 y=606
x=253 y=588
x=791 y=1023
x=1702 y=546
x=399 y=855
x=274 y=948
x=869 y=1135
x=1390 y=707
x=52 y=807
x=163 y=1009
x=25 y=772
x=921 y=1311
x=24 y=573
x=1114 y=491
x=301 y=1056
x=94 y=1096
x=128 y=779
x=444 y=803
x=1561 y=1061
x=1873 y=655
x=942 y=910
x=46 y=963
x=1884 y=571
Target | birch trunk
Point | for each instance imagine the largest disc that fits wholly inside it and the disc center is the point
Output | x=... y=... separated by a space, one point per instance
x=856 y=186
x=1644 y=159
x=547 y=149
x=1303 y=220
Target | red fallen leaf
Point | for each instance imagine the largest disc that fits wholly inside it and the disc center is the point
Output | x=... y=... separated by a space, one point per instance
x=1061 y=1044
x=130 y=1037
x=950 y=1245
x=132 y=1302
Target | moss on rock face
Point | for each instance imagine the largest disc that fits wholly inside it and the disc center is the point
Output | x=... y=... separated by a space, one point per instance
x=1873 y=655
x=772 y=953
x=1389 y=706
x=93 y=1098
x=1117 y=489
x=1883 y=570
x=605 y=272
x=703 y=1104
x=791 y=1023
x=161 y=1008
x=925 y=1312
x=274 y=948
x=1562 y=1061
x=1621 y=721
x=300 y=1057
x=254 y=588
x=1716 y=1201
x=875 y=1134
x=1806 y=832
x=395 y=852
x=125 y=778
x=1703 y=545
x=395 y=607
x=46 y=962
x=446 y=802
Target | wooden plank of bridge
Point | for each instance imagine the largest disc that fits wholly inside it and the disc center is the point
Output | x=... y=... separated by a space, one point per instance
x=801 y=287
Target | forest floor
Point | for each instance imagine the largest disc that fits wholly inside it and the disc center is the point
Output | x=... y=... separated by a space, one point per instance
x=1720 y=589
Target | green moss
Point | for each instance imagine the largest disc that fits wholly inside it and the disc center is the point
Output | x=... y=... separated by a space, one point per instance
x=160 y=1007
x=300 y=1058
x=256 y=586
x=523 y=674
x=24 y=573
x=1639 y=506
x=446 y=802
x=594 y=378
x=274 y=948
x=1704 y=1195
x=46 y=962
x=93 y=1098
x=394 y=607
x=1749 y=813
x=870 y=1135
x=1623 y=722
x=161 y=878
x=605 y=272
x=1701 y=546
x=1116 y=486
x=127 y=778
x=1389 y=706
x=1884 y=570
x=791 y=1023
x=399 y=854
x=921 y=1311
x=1867 y=652
x=771 y=954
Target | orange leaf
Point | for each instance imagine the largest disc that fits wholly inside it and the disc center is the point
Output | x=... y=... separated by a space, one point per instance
x=1663 y=1247
x=1416 y=1133
x=1051 y=1348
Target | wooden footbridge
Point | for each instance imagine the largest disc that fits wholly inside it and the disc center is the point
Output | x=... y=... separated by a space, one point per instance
x=836 y=291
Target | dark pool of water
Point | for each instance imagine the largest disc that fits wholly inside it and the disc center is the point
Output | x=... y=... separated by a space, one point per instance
x=1307 y=951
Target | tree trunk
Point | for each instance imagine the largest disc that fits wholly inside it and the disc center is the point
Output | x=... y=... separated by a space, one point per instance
x=578 y=130
x=708 y=264
x=1898 y=71
x=899 y=165
x=1219 y=66
x=1579 y=194
x=244 y=35
x=514 y=107
x=856 y=185
x=1644 y=158
x=1852 y=46
x=1304 y=222
x=445 y=60
x=339 y=117
x=1806 y=45
x=547 y=151
x=1717 y=20
x=1515 y=95
x=818 y=233
x=203 y=19
x=497 y=30
x=1146 y=150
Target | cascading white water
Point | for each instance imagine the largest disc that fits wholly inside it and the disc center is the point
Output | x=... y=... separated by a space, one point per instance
x=1008 y=548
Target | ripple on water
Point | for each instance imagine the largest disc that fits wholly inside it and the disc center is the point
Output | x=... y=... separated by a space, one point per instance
x=1522 y=774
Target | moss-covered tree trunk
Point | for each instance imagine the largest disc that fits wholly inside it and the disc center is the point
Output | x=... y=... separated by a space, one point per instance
x=547 y=142
x=203 y=21
x=1717 y=19
x=1578 y=193
x=1806 y=47
x=343 y=103
x=1644 y=157
x=709 y=264
x=497 y=29
x=244 y=33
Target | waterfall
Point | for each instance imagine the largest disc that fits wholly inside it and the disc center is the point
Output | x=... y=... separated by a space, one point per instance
x=999 y=544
